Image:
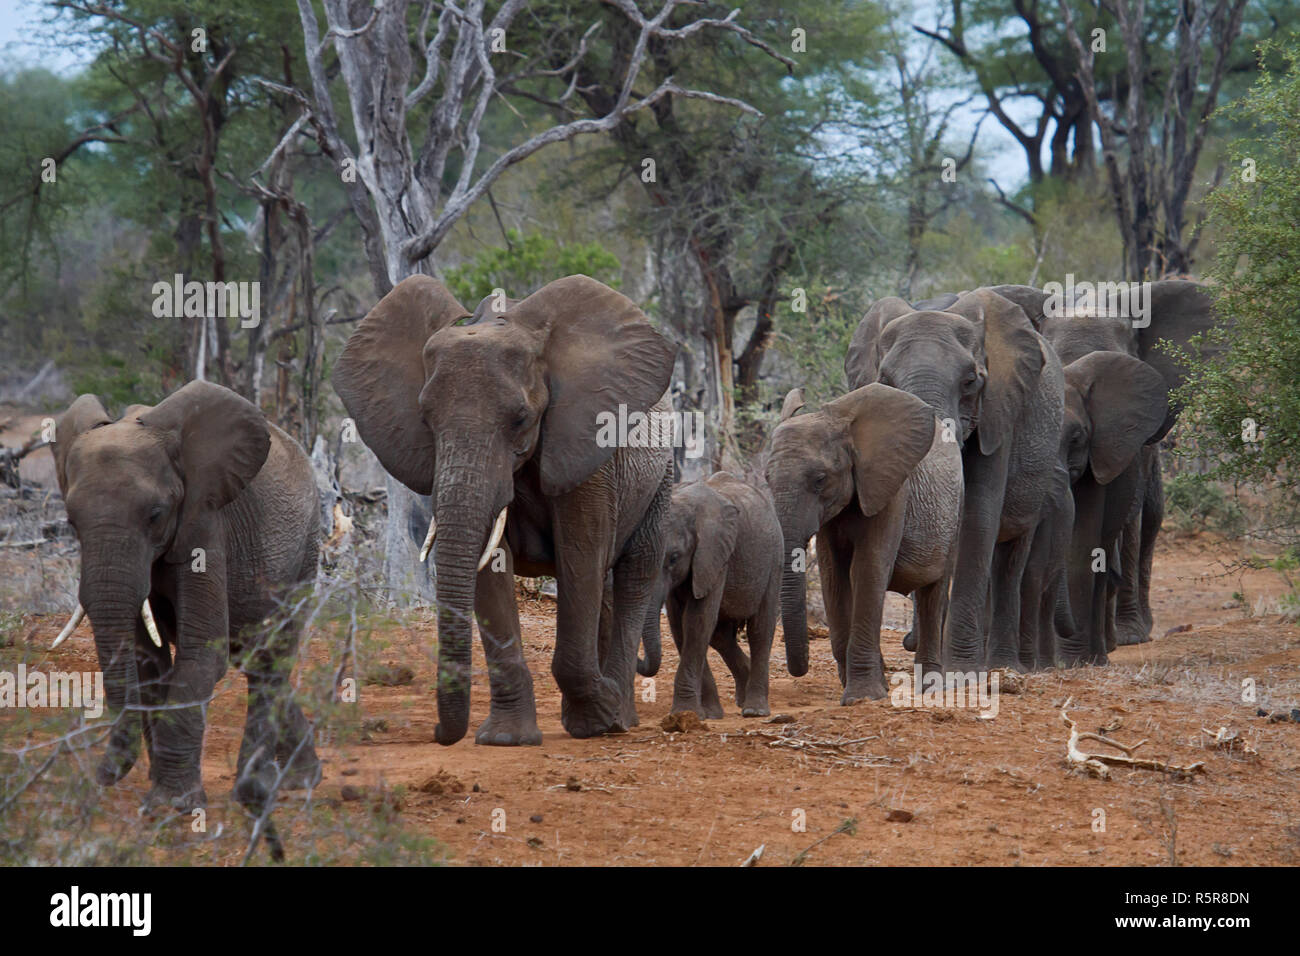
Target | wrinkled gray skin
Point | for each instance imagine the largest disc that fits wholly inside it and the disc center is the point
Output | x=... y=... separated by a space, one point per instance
x=1179 y=310
x=721 y=571
x=203 y=469
x=1115 y=405
x=996 y=382
x=874 y=476
x=504 y=411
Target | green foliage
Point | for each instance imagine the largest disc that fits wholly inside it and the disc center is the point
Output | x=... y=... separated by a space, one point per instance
x=1194 y=504
x=526 y=263
x=1247 y=373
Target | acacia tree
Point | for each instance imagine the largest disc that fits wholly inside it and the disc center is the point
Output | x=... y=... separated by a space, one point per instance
x=414 y=164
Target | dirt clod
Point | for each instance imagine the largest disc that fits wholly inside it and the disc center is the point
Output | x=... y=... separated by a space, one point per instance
x=441 y=783
x=899 y=816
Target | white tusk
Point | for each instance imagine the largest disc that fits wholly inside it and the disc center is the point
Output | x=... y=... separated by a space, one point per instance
x=71 y=626
x=428 y=539
x=495 y=538
x=147 y=613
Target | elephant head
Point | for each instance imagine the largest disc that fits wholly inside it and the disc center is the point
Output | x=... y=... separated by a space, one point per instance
x=1114 y=404
x=143 y=489
x=975 y=363
x=853 y=452
x=456 y=411
x=699 y=530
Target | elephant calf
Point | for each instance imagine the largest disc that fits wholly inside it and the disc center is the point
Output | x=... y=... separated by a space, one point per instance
x=878 y=478
x=721 y=571
x=195 y=516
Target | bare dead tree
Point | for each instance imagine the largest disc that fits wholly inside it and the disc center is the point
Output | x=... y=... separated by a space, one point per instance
x=1150 y=189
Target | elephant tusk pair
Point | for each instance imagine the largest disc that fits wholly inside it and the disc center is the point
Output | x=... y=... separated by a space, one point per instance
x=498 y=528
x=145 y=611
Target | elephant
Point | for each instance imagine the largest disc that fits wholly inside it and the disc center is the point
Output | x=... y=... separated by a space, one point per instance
x=721 y=571
x=1115 y=406
x=195 y=517
x=878 y=479
x=506 y=423
x=1177 y=310
x=997 y=386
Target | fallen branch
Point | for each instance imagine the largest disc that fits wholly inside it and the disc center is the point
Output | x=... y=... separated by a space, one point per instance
x=1098 y=765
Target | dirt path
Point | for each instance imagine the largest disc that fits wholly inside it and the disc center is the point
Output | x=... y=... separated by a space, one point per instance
x=931 y=786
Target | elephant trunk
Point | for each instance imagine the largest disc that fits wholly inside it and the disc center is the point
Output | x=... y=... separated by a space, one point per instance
x=794 y=600
x=651 y=639
x=112 y=596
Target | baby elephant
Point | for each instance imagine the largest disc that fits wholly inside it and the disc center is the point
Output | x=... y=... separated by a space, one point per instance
x=721 y=570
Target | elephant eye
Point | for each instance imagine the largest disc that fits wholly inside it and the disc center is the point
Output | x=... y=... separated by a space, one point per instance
x=520 y=420
x=818 y=481
x=155 y=513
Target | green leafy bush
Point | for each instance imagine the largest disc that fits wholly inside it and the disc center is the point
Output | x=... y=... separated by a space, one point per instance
x=526 y=263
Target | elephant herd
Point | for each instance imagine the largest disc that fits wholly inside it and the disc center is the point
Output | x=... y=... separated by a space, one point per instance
x=994 y=458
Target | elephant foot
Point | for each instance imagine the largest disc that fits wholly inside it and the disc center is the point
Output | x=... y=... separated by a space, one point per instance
x=115 y=765
x=872 y=688
x=756 y=710
x=1131 y=630
x=502 y=730
x=592 y=718
x=184 y=800
x=1008 y=660
x=909 y=640
x=707 y=711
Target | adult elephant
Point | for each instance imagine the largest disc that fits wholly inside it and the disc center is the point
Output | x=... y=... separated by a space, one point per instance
x=1175 y=311
x=997 y=386
x=195 y=517
x=504 y=422
x=1115 y=406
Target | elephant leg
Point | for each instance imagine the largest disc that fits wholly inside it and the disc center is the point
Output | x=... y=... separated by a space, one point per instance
x=512 y=715
x=759 y=631
x=1034 y=583
x=1129 y=626
x=837 y=595
x=1112 y=603
x=1153 y=516
x=699 y=622
x=710 y=699
x=969 y=608
x=864 y=666
x=257 y=777
x=927 y=624
x=590 y=702
x=727 y=643
x=1008 y=569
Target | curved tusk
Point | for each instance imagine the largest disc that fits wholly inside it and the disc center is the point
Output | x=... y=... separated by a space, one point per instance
x=146 y=612
x=428 y=539
x=495 y=538
x=71 y=626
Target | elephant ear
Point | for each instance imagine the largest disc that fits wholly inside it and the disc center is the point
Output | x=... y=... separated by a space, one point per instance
x=891 y=431
x=1180 y=310
x=1013 y=354
x=600 y=352
x=862 y=361
x=1126 y=403
x=380 y=375
x=717 y=522
x=82 y=415
x=1031 y=300
x=218 y=441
